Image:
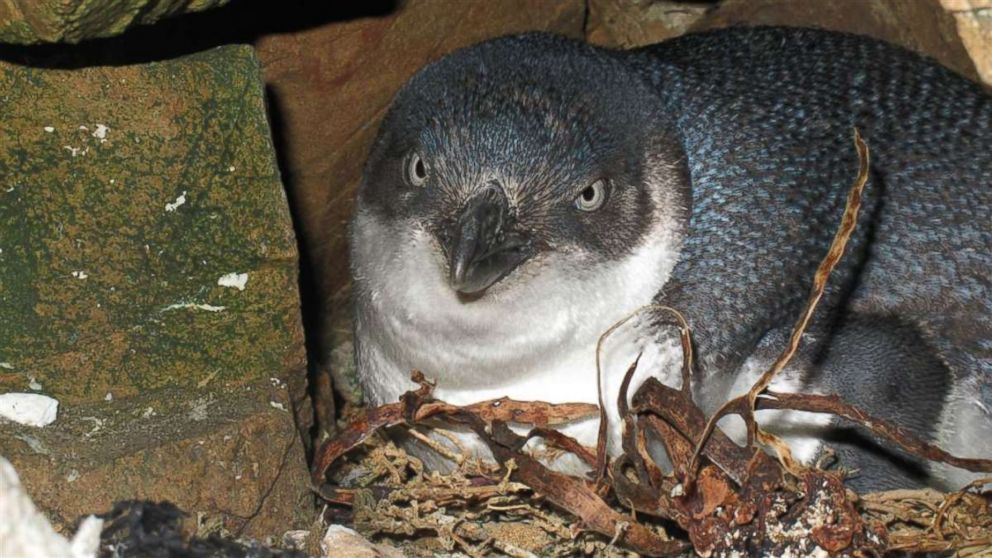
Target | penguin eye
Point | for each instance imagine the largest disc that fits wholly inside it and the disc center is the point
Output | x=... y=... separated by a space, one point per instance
x=416 y=169
x=592 y=196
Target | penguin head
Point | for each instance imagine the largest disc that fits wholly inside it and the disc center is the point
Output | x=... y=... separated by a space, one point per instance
x=521 y=154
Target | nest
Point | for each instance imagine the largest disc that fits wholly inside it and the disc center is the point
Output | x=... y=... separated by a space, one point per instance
x=720 y=499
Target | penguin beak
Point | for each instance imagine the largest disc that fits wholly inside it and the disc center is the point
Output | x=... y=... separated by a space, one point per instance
x=483 y=248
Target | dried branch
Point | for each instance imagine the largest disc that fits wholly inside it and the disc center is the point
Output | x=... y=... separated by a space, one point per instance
x=417 y=406
x=905 y=439
x=577 y=497
x=930 y=521
x=687 y=356
x=744 y=406
x=568 y=493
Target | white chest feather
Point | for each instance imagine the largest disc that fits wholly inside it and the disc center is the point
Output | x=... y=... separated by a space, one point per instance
x=533 y=341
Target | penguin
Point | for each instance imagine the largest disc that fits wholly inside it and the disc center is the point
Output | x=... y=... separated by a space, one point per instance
x=525 y=194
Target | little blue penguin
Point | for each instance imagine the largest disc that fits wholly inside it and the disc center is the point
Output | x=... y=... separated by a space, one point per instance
x=527 y=193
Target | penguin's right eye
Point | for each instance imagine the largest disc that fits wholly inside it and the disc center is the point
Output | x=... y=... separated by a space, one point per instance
x=592 y=197
x=416 y=169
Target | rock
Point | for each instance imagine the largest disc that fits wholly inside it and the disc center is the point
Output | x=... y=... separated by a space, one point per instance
x=635 y=23
x=974 y=26
x=231 y=456
x=957 y=33
x=127 y=194
x=143 y=529
x=25 y=531
x=924 y=26
x=342 y=542
x=32 y=21
x=331 y=85
x=28 y=408
x=135 y=202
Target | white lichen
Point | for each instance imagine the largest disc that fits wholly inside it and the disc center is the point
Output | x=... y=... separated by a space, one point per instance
x=234 y=280
x=101 y=132
x=194 y=306
x=35 y=444
x=198 y=409
x=97 y=425
x=30 y=409
x=181 y=200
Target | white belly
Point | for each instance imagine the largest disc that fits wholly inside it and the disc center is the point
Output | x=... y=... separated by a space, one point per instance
x=565 y=376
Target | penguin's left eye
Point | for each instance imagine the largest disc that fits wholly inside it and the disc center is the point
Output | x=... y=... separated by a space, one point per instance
x=416 y=169
x=592 y=196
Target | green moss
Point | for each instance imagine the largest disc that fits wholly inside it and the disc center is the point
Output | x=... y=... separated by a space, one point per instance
x=17 y=32
x=152 y=183
x=41 y=21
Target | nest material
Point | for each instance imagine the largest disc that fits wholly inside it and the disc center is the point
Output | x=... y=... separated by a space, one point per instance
x=721 y=498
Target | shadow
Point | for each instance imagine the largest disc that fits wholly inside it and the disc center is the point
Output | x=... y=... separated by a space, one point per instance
x=311 y=295
x=880 y=466
x=241 y=21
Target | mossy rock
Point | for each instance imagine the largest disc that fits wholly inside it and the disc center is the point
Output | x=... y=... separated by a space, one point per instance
x=52 y=21
x=134 y=201
x=231 y=457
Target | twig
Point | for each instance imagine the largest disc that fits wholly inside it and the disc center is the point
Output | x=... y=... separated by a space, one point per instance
x=684 y=336
x=417 y=406
x=570 y=493
x=437 y=447
x=905 y=439
x=745 y=405
x=951 y=500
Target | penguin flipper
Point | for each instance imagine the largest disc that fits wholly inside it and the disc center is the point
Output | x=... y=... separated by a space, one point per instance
x=886 y=367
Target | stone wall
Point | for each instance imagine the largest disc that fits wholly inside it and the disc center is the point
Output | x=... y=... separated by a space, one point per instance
x=148 y=283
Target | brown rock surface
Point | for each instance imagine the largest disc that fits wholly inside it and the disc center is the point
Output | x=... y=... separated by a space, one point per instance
x=128 y=195
x=957 y=33
x=148 y=281
x=974 y=24
x=920 y=25
x=634 y=23
x=232 y=456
